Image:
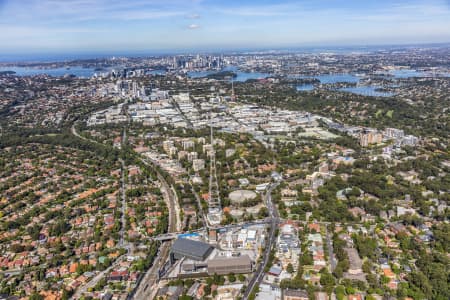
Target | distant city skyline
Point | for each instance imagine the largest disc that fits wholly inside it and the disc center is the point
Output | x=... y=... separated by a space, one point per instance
x=114 y=26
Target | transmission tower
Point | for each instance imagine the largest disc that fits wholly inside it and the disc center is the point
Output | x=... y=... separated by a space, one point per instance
x=214 y=195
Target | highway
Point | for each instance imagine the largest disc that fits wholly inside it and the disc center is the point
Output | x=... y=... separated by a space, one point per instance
x=275 y=220
x=149 y=284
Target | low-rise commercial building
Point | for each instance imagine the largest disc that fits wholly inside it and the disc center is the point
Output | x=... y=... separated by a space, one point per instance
x=227 y=265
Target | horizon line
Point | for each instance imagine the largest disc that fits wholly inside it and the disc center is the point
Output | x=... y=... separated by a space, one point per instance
x=65 y=56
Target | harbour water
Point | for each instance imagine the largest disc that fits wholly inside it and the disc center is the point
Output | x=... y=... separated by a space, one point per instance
x=367 y=91
x=241 y=76
x=335 y=78
x=405 y=73
x=346 y=78
x=332 y=78
x=157 y=72
x=305 y=87
x=78 y=71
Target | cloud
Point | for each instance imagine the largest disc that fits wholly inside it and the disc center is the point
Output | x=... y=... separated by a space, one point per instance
x=97 y=23
x=193 y=26
x=263 y=10
x=57 y=11
x=194 y=16
x=141 y=15
x=406 y=12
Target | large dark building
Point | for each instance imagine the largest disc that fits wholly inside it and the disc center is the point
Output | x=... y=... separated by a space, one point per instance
x=194 y=250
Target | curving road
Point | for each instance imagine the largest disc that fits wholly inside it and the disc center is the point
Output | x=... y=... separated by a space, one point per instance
x=149 y=284
x=84 y=288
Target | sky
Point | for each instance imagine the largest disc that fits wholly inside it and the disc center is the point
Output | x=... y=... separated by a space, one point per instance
x=57 y=26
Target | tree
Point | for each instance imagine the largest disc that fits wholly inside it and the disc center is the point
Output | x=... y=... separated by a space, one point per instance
x=290 y=268
x=421 y=281
x=263 y=212
x=366 y=246
x=340 y=292
x=384 y=279
x=367 y=267
x=326 y=279
x=350 y=290
x=306 y=259
x=372 y=280
x=207 y=289
x=65 y=294
x=36 y=296
x=338 y=272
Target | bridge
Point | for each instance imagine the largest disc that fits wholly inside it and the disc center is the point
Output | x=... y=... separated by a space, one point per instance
x=166 y=237
x=174 y=235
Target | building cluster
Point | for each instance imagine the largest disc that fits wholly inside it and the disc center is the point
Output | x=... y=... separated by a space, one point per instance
x=373 y=137
x=252 y=239
x=315 y=248
x=111 y=115
x=288 y=250
x=73 y=221
x=232 y=250
x=198 y=62
x=370 y=136
x=179 y=111
x=45 y=101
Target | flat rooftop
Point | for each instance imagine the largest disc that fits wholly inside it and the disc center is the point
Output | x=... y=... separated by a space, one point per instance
x=190 y=248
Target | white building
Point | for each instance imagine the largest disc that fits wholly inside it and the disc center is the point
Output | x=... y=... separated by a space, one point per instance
x=198 y=164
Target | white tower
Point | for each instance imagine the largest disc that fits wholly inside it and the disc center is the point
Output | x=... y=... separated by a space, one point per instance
x=214 y=206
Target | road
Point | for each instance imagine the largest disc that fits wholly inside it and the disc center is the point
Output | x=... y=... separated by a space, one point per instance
x=123 y=207
x=146 y=289
x=148 y=286
x=173 y=235
x=175 y=205
x=199 y=203
x=84 y=288
x=124 y=199
x=75 y=133
x=123 y=188
x=275 y=219
x=186 y=119
x=330 y=250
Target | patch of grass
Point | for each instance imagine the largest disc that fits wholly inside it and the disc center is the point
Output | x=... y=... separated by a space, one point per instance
x=378 y=113
x=389 y=114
